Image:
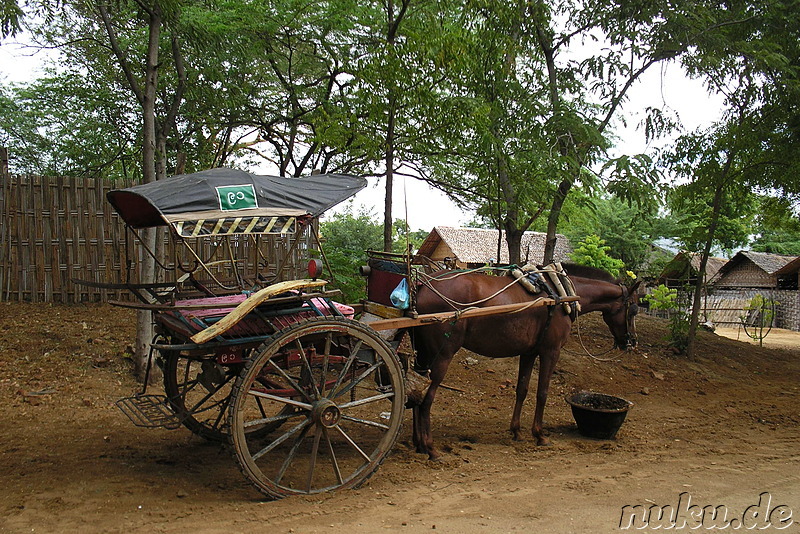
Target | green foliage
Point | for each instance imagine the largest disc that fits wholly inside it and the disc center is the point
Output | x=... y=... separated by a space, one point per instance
x=777 y=227
x=10 y=18
x=481 y=102
x=634 y=179
x=692 y=207
x=404 y=237
x=66 y=124
x=662 y=298
x=674 y=305
x=593 y=253
x=346 y=237
x=679 y=328
x=626 y=228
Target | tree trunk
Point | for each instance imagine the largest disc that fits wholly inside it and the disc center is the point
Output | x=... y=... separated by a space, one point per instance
x=552 y=220
x=387 y=205
x=147 y=273
x=514 y=241
x=698 y=286
x=392 y=26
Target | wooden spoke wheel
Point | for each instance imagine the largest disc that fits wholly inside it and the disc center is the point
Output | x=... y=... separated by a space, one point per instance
x=199 y=389
x=344 y=386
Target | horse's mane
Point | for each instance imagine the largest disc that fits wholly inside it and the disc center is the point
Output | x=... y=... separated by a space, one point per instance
x=585 y=271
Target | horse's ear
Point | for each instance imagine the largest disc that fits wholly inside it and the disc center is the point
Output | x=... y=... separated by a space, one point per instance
x=635 y=286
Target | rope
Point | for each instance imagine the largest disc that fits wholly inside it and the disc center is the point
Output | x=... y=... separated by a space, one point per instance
x=458 y=273
x=593 y=356
x=455 y=304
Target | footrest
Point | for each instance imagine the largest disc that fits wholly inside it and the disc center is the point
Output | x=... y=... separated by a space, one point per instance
x=149 y=411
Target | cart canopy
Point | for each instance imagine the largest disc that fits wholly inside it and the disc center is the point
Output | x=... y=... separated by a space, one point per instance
x=229 y=201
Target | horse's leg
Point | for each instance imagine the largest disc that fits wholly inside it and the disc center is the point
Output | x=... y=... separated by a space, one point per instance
x=422 y=425
x=415 y=439
x=526 y=362
x=435 y=346
x=548 y=357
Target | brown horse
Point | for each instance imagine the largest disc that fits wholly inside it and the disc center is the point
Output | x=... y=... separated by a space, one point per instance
x=530 y=333
x=619 y=304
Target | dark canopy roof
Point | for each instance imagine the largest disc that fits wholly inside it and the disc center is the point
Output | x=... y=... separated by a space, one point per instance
x=202 y=195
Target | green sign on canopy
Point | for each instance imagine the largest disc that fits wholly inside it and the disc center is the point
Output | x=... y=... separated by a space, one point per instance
x=237 y=197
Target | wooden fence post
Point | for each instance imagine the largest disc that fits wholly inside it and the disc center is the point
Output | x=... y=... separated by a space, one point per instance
x=5 y=219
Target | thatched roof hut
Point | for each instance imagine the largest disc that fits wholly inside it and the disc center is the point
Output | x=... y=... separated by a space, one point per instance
x=474 y=247
x=685 y=267
x=748 y=269
x=789 y=275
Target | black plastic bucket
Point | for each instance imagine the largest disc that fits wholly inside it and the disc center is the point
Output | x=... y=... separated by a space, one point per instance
x=598 y=415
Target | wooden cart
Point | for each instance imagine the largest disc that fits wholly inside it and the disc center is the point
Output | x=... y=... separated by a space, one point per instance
x=309 y=398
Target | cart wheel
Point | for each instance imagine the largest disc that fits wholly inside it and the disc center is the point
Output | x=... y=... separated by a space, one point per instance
x=348 y=400
x=198 y=390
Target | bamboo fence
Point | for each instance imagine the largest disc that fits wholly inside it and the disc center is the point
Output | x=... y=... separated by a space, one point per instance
x=54 y=230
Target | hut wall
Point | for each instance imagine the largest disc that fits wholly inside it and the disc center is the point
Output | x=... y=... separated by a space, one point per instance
x=441 y=252
x=746 y=274
x=724 y=307
x=789 y=315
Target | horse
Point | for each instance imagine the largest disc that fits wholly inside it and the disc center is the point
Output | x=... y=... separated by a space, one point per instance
x=619 y=304
x=529 y=333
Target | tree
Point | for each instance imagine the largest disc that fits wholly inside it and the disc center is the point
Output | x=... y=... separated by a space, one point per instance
x=627 y=229
x=10 y=17
x=754 y=147
x=66 y=124
x=592 y=252
x=346 y=239
x=134 y=34
x=290 y=86
x=142 y=76
x=404 y=51
x=537 y=101
x=777 y=228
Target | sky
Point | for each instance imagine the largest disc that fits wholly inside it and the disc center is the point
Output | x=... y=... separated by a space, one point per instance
x=425 y=207
x=662 y=88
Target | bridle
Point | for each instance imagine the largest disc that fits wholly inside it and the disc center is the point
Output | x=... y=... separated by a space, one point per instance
x=630 y=339
x=627 y=299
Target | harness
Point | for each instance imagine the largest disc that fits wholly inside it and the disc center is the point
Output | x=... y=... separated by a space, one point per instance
x=552 y=279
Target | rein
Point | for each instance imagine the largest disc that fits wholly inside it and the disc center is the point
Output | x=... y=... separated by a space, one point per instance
x=627 y=305
x=593 y=356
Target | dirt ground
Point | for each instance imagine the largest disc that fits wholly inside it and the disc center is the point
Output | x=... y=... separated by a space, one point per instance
x=777 y=338
x=721 y=430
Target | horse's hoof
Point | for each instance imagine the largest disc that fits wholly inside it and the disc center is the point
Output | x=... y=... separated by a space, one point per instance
x=543 y=442
x=433 y=455
x=516 y=436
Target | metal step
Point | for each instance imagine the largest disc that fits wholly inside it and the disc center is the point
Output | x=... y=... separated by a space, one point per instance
x=149 y=411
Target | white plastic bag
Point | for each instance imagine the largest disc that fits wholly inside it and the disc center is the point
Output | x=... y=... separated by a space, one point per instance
x=400 y=297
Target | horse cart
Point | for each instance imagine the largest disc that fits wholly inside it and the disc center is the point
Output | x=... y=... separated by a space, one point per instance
x=307 y=392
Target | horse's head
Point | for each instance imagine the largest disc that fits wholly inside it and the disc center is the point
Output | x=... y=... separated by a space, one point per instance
x=620 y=318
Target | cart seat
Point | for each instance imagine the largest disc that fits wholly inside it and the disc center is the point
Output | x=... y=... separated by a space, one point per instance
x=262 y=321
